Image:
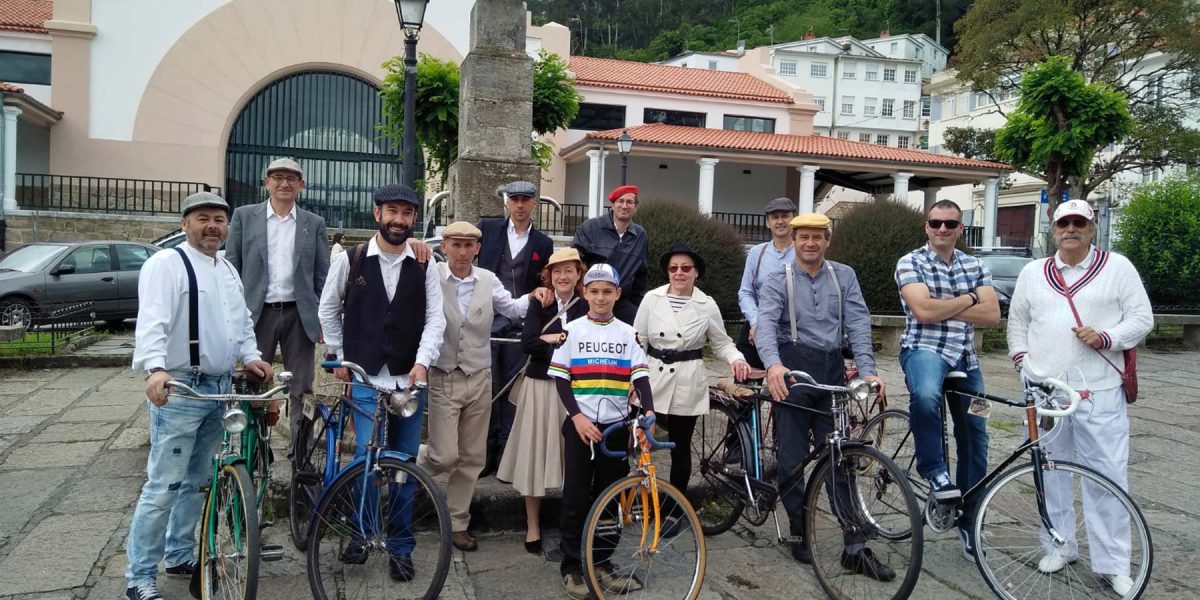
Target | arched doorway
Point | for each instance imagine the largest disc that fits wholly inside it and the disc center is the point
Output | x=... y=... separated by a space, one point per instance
x=329 y=123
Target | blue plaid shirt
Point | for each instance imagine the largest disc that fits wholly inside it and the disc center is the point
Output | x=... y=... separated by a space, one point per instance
x=950 y=338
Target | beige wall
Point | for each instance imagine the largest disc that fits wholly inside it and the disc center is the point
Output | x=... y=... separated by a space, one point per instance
x=26 y=226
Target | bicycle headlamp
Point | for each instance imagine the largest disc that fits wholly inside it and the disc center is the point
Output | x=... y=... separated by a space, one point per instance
x=403 y=403
x=860 y=389
x=234 y=419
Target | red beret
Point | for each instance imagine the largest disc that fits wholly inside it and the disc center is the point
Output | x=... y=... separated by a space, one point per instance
x=621 y=191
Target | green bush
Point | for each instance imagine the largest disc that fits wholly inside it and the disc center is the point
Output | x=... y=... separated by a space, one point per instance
x=667 y=222
x=1159 y=231
x=871 y=238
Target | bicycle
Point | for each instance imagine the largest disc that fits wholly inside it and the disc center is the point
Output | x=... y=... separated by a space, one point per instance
x=1013 y=524
x=376 y=511
x=320 y=452
x=646 y=522
x=855 y=493
x=230 y=547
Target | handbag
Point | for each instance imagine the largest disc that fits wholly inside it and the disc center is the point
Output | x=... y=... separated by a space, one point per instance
x=1129 y=379
x=519 y=378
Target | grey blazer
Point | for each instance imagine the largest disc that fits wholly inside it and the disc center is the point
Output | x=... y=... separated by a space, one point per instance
x=246 y=248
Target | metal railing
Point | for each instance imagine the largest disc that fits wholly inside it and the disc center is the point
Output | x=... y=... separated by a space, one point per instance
x=51 y=329
x=77 y=193
x=752 y=227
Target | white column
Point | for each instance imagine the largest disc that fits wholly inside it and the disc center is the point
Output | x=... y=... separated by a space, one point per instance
x=900 y=187
x=595 y=182
x=708 y=168
x=930 y=196
x=991 y=188
x=808 y=186
x=9 y=176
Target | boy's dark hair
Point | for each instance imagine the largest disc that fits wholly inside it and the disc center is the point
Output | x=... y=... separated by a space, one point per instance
x=947 y=204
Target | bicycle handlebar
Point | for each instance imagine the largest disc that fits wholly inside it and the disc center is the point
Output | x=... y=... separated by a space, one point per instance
x=184 y=390
x=644 y=424
x=808 y=381
x=362 y=374
x=1074 y=396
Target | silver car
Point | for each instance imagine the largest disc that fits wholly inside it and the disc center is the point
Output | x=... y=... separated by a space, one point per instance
x=44 y=274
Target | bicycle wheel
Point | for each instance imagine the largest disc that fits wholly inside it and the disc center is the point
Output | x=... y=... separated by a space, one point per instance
x=863 y=500
x=229 y=542
x=308 y=469
x=720 y=453
x=260 y=474
x=619 y=553
x=1012 y=540
x=889 y=432
x=391 y=542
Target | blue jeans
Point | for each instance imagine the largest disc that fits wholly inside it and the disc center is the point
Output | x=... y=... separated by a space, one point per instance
x=184 y=436
x=404 y=436
x=924 y=371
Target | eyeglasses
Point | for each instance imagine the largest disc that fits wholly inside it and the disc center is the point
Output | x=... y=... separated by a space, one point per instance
x=629 y=202
x=678 y=268
x=1078 y=222
x=949 y=223
x=283 y=178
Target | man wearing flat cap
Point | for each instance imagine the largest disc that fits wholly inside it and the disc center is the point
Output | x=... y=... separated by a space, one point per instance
x=282 y=254
x=762 y=262
x=460 y=382
x=516 y=251
x=616 y=240
x=382 y=309
x=805 y=311
x=176 y=287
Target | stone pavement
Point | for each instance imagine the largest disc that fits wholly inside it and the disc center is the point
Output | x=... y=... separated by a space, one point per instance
x=73 y=448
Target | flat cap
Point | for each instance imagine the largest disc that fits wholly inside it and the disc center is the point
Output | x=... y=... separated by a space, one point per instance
x=781 y=204
x=813 y=220
x=284 y=164
x=395 y=192
x=521 y=188
x=621 y=191
x=461 y=229
x=201 y=200
x=602 y=272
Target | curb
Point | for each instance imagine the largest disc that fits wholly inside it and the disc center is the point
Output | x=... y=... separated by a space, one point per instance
x=67 y=361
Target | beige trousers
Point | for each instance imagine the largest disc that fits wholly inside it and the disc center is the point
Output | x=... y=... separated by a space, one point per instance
x=460 y=406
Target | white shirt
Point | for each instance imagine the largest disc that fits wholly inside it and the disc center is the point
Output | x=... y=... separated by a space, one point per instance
x=281 y=255
x=329 y=311
x=517 y=241
x=502 y=301
x=226 y=331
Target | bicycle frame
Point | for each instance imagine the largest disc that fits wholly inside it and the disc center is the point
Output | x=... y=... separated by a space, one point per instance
x=645 y=468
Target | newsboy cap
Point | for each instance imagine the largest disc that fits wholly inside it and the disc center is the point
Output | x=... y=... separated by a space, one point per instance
x=201 y=200
x=521 y=188
x=284 y=164
x=461 y=229
x=395 y=192
x=813 y=220
x=781 y=204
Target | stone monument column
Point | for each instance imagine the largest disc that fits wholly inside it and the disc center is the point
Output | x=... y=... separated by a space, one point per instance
x=495 y=111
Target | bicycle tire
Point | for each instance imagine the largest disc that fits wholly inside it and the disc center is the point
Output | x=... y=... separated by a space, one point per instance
x=866 y=514
x=675 y=570
x=1003 y=520
x=310 y=456
x=229 y=563
x=890 y=433
x=337 y=524
x=261 y=473
x=719 y=501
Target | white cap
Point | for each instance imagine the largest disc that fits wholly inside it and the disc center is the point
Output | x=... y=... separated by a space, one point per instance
x=1072 y=208
x=284 y=164
x=602 y=272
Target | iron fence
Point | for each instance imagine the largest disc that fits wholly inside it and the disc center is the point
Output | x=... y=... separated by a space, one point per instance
x=52 y=328
x=751 y=227
x=77 y=193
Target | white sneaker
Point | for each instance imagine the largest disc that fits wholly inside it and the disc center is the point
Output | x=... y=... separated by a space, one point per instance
x=1055 y=561
x=1121 y=584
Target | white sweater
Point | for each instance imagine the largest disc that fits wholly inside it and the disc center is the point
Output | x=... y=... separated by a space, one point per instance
x=1110 y=298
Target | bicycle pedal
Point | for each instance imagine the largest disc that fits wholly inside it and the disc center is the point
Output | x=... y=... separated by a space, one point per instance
x=265 y=524
x=733 y=471
x=271 y=553
x=307 y=477
x=791 y=539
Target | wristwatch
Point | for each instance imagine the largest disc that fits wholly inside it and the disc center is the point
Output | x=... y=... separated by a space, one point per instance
x=974 y=298
x=154 y=370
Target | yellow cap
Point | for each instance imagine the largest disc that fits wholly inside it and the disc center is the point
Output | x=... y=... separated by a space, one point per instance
x=813 y=220
x=461 y=229
x=564 y=255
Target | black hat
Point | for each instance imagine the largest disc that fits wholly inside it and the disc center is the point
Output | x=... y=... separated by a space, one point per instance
x=683 y=248
x=395 y=192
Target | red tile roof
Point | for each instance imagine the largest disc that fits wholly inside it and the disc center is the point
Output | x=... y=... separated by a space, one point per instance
x=623 y=74
x=810 y=145
x=25 y=15
x=8 y=88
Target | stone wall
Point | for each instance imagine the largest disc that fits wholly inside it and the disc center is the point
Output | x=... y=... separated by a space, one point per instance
x=27 y=226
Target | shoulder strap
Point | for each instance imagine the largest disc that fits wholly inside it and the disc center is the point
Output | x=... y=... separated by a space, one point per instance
x=355 y=260
x=565 y=308
x=1075 y=313
x=193 y=312
x=837 y=287
x=791 y=299
x=757 y=268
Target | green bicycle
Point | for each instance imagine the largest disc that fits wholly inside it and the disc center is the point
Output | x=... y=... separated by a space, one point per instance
x=230 y=548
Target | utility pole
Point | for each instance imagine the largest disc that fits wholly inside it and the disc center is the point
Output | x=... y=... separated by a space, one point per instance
x=937 y=35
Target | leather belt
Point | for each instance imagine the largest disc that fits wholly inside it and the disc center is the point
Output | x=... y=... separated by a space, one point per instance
x=280 y=305
x=674 y=356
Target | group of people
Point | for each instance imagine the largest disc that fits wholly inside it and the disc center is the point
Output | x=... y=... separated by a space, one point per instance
x=528 y=353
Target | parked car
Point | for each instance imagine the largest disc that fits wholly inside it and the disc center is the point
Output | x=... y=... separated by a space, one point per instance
x=1005 y=268
x=42 y=274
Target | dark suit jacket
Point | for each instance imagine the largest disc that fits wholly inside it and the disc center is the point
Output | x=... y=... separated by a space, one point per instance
x=494 y=245
x=246 y=249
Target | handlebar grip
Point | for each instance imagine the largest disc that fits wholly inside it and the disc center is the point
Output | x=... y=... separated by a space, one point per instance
x=331 y=364
x=645 y=423
x=604 y=437
x=1071 y=393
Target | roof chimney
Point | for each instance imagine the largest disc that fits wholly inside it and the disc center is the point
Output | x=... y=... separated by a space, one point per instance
x=885 y=33
x=741 y=47
x=810 y=35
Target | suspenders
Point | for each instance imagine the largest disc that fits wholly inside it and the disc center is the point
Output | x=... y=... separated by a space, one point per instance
x=193 y=313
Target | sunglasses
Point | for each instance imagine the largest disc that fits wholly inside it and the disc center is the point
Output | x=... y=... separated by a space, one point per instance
x=1078 y=222
x=949 y=223
x=678 y=268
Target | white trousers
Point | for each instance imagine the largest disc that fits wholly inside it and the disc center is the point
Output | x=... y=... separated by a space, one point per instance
x=1097 y=436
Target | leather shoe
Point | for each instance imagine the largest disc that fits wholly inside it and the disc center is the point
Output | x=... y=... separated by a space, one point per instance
x=865 y=563
x=801 y=552
x=464 y=541
x=355 y=553
x=534 y=547
x=401 y=567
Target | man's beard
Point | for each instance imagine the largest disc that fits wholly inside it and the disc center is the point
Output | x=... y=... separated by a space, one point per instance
x=392 y=238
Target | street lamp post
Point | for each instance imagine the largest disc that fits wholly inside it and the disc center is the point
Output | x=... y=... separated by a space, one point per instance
x=411 y=14
x=624 y=145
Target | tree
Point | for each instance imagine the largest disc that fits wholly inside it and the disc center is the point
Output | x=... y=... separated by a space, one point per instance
x=1059 y=124
x=668 y=222
x=971 y=142
x=1147 y=50
x=1158 y=231
x=871 y=239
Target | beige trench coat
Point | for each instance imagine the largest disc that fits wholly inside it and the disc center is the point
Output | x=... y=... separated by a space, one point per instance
x=682 y=388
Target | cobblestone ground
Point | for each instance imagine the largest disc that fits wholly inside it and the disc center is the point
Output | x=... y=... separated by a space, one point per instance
x=73 y=446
